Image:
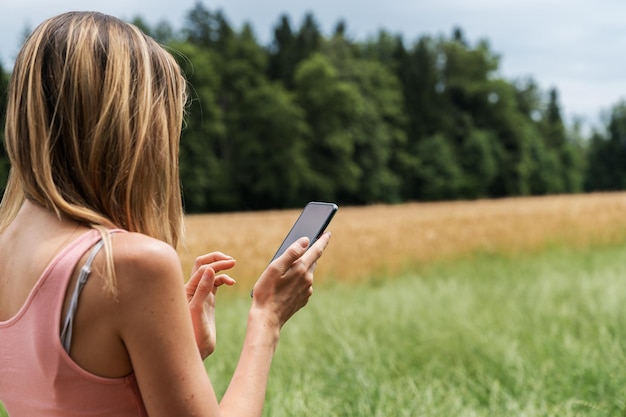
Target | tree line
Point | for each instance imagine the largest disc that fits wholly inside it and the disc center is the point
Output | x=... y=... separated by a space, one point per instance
x=379 y=120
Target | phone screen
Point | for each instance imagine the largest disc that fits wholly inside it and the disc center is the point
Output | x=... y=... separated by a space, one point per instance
x=312 y=222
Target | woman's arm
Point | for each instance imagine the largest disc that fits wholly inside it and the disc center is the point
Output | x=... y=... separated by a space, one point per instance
x=282 y=290
x=156 y=328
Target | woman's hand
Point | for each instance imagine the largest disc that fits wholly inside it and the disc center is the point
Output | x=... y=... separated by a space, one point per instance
x=201 y=289
x=287 y=283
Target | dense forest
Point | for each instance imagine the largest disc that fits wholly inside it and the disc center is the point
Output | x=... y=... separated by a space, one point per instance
x=358 y=121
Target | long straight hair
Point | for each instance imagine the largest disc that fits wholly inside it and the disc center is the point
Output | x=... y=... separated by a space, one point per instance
x=94 y=116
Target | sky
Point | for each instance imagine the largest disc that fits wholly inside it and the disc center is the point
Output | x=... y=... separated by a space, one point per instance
x=576 y=46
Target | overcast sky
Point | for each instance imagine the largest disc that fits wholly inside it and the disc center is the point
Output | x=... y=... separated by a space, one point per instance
x=577 y=46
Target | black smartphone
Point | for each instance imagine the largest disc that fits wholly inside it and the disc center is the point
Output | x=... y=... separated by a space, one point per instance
x=311 y=223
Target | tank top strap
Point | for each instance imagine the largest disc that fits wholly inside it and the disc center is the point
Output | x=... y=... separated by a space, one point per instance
x=85 y=272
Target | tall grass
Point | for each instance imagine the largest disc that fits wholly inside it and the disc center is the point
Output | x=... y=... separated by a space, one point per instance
x=394 y=239
x=498 y=308
x=539 y=335
x=533 y=335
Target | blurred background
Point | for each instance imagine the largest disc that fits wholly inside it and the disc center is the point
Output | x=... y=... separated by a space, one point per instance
x=382 y=102
x=476 y=297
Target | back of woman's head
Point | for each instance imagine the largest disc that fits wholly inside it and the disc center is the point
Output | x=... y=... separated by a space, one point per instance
x=94 y=114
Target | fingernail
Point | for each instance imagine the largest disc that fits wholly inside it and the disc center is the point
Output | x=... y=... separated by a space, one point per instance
x=304 y=242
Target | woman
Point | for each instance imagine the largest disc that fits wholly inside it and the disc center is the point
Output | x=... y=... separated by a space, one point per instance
x=94 y=114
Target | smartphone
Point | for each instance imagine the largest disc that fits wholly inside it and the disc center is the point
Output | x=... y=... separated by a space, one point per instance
x=311 y=223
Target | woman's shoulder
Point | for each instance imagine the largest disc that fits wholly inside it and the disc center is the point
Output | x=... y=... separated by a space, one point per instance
x=142 y=260
x=132 y=246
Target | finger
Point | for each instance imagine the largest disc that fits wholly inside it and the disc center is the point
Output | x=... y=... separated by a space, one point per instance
x=316 y=250
x=222 y=265
x=293 y=253
x=192 y=283
x=223 y=280
x=209 y=258
x=205 y=286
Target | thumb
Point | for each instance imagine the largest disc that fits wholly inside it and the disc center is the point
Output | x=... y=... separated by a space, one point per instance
x=293 y=253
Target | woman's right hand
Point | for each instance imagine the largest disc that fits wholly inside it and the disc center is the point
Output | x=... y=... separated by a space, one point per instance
x=287 y=283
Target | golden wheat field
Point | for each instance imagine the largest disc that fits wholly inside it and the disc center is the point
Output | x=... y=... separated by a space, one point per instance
x=388 y=239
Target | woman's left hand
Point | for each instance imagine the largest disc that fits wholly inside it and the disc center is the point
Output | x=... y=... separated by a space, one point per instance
x=201 y=289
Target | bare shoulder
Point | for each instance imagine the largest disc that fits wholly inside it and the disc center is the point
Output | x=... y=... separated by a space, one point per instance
x=142 y=262
x=140 y=249
x=153 y=323
x=150 y=289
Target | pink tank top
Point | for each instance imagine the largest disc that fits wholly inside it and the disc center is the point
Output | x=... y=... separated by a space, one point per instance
x=37 y=377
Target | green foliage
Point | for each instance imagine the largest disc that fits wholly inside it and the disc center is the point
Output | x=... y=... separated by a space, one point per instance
x=289 y=48
x=332 y=107
x=606 y=169
x=270 y=168
x=202 y=139
x=284 y=55
x=545 y=177
x=417 y=69
x=439 y=176
x=379 y=124
x=479 y=164
x=360 y=122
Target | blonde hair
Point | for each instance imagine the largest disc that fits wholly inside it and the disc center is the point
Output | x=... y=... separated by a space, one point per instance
x=94 y=116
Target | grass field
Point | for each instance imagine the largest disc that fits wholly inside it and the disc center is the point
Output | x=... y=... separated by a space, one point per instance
x=512 y=307
x=387 y=241
x=491 y=308
x=533 y=335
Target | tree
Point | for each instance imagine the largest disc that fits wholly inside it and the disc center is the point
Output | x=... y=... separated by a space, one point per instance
x=240 y=64
x=528 y=98
x=206 y=185
x=546 y=173
x=513 y=133
x=422 y=104
x=574 y=159
x=568 y=153
x=607 y=152
x=378 y=126
x=467 y=84
x=201 y=26
x=331 y=107
x=574 y=165
x=288 y=49
x=269 y=167
x=283 y=53
x=418 y=72
x=309 y=37
x=439 y=176
x=478 y=162
x=553 y=128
